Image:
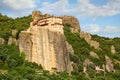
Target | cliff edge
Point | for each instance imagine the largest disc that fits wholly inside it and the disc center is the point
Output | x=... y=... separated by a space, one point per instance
x=45 y=43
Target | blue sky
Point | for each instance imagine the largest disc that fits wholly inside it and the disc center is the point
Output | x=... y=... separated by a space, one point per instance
x=100 y=17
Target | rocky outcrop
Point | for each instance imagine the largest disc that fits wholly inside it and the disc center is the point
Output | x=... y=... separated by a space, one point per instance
x=45 y=44
x=93 y=54
x=71 y=21
x=69 y=48
x=14 y=32
x=73 y=30
x=2 y=41
x=36 y=15
x=89 y=40
x=113 y=51
x=109 y=64
x=98 y=69
x=86 y=36
x=87 y=64
x=12 y=41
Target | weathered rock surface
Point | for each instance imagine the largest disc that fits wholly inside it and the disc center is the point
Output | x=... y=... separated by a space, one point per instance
x=36 y=15
x=98 y=69
x=14 y=32
x=71 y=21
x=73 y=30
x=109 y=64
x=87 y=64
x=12 y=41
x=69 y=48
x=89 y=40
x=45 y=44
x=93 y=54
x=86 y=36
x=113 y=51
x=95 y=44
x=2 y=41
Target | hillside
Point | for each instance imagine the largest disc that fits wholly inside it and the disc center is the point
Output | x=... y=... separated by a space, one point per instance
x=88 y=61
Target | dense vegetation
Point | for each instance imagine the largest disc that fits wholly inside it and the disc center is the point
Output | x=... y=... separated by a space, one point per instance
x=7 y=24
x=13 y=65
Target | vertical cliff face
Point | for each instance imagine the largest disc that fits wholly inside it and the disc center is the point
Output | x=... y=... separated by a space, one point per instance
x=45 y=44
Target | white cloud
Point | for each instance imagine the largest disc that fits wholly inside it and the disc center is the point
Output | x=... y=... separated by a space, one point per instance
x=112 y=29
x=90 y=10
x=17 y=8
x=108 y=31
x=92 y=28
x=59 y=7
x=83 y=8
x=17 y=4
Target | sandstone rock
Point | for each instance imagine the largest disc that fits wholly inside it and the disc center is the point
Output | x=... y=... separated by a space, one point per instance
x=95 y=44
x=69 y=48
x=93 y=54
x=86 y=65
x=45 y=44
x=47 y=15
x=98 y=69
x=113 y=51
x=2 y=41
x=87 y=62
x=72 y=21
x=109 y=64
x=14 y=32
x=36 y=15
x=73 y=30
x=89 y=40
x=15 y=41
x=86 y=36
x=12 y=41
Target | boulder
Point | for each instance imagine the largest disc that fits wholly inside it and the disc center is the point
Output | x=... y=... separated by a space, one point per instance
x=12 y=41
x=113 y=51
x=109 y=65
x=95 y=44
x=2 y=41
x=14 y=32
x=93 y=54
x=87 y=64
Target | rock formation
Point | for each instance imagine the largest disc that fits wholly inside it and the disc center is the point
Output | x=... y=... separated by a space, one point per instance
x=89 y=40
x=93 y=54
x=71 y=21
x=109 y=64
x=69 y=48
x=14 y=32
x=113 y=51
x=36 y=15
x=73 y=30
x=98 y=69
x=45 y=43
x=2 y=41
x=87 y=64
x=12 y=41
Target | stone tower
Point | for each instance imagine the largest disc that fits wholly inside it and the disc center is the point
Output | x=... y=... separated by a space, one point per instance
x=45 y=44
